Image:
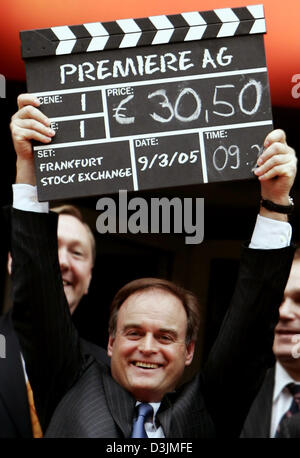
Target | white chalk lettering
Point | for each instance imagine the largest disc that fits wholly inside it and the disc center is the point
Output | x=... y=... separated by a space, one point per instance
x=101 y=69
x=70 y=164
x=121 y=118
x=224 y=60
x=47 y=99
x=120 y=70
x=66 y=69
x=138 y=65
x=150 y=63
x=220 y=58
x=84 y=71
x=64 y=179
x=183 y=61
x=104 y=175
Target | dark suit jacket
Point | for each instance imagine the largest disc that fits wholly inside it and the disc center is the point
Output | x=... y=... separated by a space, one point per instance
x=258 y=421
x=15 y=419
x=14 y=411
x=76 y=395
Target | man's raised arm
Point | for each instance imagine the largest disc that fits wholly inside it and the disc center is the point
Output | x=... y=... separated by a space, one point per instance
x=48 y=338
x=243 y=350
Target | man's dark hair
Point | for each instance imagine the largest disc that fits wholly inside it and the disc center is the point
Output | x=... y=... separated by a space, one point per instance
x=74 y=211
x=187 y=298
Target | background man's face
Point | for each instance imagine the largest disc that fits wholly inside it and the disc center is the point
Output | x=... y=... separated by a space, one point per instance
x=289 y=318
x=148 y=352
x=75 y=258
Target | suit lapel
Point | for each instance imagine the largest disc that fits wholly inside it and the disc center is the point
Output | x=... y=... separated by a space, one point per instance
x=258 y=422
x=164 y=416
x=266 y=402
x=120 y=403
x=12 y=382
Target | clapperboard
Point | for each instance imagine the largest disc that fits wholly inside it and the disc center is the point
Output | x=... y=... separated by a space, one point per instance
x=150 y=103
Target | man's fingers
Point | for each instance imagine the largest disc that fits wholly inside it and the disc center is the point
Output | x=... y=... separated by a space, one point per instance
x=279 y=170
x=30 y=112
x=272 y=161
x=277 y=135
x=28 y=134
x=274 y=149
x=27 y=99
x=30 y=129
x=278 y=165
x=33 y=124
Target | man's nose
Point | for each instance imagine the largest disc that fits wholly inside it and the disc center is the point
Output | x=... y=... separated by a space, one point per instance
x=286 y=309
x=148 y=344
x=63 y=258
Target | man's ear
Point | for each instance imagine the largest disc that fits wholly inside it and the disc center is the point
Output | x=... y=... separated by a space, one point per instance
x=88 y=283
x=9 y=263
x=190 y=348
x=110 y=344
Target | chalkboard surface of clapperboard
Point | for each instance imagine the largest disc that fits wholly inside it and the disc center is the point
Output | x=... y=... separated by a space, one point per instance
x=150 y=103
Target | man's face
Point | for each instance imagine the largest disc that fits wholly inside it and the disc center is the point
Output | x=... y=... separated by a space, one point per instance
x=289 y=319
x=148 y=352
x=75 y=258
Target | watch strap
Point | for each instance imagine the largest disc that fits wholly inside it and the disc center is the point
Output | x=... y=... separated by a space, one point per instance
x=285 y=209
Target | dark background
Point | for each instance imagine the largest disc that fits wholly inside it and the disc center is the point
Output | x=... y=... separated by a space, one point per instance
x=208 y=269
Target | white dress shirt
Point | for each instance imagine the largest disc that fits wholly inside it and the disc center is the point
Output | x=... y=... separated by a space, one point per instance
x=282 y=398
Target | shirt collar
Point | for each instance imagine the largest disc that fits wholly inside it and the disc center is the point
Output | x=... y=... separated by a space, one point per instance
x=282 y=379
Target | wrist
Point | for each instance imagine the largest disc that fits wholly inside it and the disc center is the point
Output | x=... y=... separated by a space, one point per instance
x=278 y=209
x=285 y=206
x=273 y=215
x=282 y=200
x=25 y=172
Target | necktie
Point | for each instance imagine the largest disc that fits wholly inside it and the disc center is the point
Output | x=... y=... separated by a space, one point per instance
x=36 y=427
x=145 y=411
x=294 y=407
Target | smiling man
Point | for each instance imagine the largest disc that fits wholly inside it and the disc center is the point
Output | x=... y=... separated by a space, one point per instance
x=287 y=331
x=153 y=323
x=275 y=396
x=150 y=341
x=76 y=253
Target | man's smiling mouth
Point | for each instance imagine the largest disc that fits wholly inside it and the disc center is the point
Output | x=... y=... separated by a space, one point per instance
x=144 y=365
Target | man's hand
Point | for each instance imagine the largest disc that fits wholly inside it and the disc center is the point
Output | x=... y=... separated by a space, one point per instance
x=28 y=124
x=277 y=167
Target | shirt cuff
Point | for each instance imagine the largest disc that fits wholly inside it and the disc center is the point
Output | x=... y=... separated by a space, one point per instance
x=270 y=234
x=25 y=198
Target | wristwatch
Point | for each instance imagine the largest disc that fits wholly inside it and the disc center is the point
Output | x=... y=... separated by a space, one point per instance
x=286 y=209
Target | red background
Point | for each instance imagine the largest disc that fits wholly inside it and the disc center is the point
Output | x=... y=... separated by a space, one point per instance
x=282 y=39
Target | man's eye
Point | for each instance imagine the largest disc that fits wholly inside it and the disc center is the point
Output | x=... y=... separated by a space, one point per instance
x=297 y=299
x=166 y=338
x=77 y=253
x=133 y=334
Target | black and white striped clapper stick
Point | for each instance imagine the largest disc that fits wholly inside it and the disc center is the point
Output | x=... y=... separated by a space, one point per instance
x=152 y=30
